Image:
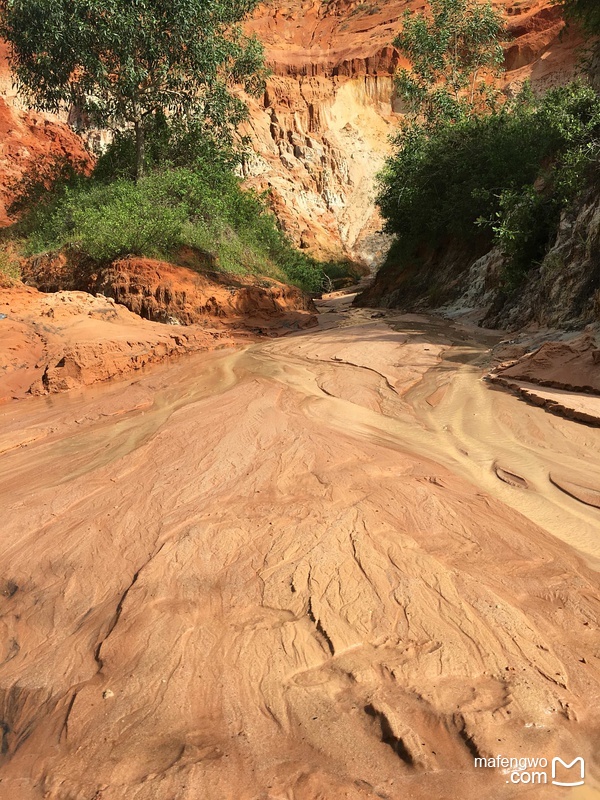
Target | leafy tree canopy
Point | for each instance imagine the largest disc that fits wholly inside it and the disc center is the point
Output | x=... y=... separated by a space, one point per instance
x=454 y=53
x=120 y=62
x=509 y=173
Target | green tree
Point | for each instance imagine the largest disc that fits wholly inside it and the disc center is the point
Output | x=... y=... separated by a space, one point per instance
x=505 y=176
x=455 y=54
x=122 y=62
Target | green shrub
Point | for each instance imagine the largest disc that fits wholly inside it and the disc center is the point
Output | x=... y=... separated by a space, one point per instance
x=106 y=222
x=511 y=172
x=202 y=208
x=527 y=219
x=9 y=267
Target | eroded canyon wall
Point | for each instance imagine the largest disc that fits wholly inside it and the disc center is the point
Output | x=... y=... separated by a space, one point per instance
x=321 y=131
x=28 y=139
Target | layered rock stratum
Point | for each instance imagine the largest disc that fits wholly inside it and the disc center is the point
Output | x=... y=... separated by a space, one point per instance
x=560 y=376
x=321 y=131
x=61 y=340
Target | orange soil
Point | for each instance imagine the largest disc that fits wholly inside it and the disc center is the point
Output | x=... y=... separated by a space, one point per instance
x=54 y=342
x=563 y=377
x=282 y=572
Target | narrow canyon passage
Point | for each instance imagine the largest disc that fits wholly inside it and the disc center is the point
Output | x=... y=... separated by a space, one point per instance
x=333 y=565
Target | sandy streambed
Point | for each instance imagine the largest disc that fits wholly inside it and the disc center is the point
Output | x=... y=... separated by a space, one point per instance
x=335 y=565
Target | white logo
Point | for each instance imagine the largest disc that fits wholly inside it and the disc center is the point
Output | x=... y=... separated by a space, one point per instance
x=580 y=761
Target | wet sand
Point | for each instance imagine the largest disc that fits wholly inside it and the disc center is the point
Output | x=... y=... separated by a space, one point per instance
x=335 y=565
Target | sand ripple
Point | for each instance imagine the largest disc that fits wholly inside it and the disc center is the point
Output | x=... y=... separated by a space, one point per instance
x=287 y=572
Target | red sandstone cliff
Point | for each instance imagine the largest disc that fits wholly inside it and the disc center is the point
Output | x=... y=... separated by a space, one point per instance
x=28 y=139
x=321 y=130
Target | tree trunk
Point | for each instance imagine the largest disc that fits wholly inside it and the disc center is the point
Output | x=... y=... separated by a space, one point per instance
x=140 y=150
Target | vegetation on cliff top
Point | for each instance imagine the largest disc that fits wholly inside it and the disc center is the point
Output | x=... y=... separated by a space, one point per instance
x=466 y=165
x=122 y=63
x=163 y=77
x=455 y=55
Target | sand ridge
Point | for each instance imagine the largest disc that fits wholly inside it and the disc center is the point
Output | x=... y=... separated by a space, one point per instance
x=285 y=572
x=57 y=341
